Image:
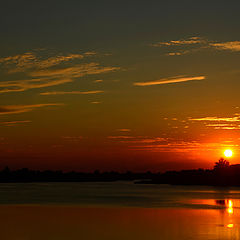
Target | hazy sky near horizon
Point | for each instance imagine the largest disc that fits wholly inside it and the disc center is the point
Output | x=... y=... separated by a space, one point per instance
x=138 y=85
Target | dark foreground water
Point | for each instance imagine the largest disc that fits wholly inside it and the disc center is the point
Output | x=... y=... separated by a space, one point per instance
x=104 y=211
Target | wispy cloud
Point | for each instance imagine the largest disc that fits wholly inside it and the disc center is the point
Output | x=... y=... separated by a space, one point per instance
x=124 y=130
x=41 y=72
x=216 y=119
x=28 y=60
x=189 y=41
x=170 y=144
x=120 y=137
x=219 y=123
x=136 y=139
x=194 y=44
x=74 y=72
x=53 y=77
x=170 y=80
x=23 y=85
x=226 y=127
x=96 y=102
x=14 y=123
x=184 y=146
x=21 y=61
x=15 y=109
x=232 y=46
x=177 y=53
x=71 y=92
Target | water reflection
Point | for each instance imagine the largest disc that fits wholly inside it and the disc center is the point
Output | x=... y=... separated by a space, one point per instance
x=227 y=204
x=230 y=225
x=118 y=211
x=65 y=222
x=230 y=207
x=228 y=210
x=221 y=202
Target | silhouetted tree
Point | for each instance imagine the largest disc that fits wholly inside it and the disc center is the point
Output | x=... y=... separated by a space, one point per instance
x=221 y=164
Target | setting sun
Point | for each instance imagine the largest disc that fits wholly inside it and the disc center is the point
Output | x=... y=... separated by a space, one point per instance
x=228 y=153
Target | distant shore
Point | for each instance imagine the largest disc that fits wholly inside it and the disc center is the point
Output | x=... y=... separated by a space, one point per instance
x=25 y=175
x=222 y=174
x=219 y=176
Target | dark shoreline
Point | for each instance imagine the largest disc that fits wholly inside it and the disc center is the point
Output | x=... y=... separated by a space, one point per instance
x=223 y=175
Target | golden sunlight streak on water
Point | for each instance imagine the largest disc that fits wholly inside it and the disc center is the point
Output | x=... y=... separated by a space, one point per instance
x=230 y=212
x=230 y=207
x=226 y=208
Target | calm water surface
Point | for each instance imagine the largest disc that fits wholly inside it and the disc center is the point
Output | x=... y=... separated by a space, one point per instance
x=121 y=210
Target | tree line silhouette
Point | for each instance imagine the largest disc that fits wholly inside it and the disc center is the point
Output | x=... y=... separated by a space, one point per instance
x=26 y=175
x=222 y=174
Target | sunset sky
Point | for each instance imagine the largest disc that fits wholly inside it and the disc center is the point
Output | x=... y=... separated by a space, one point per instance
x=119 y=85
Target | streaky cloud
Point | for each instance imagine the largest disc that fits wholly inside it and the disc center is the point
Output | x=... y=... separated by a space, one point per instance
x=15 y=109
x=219 y=125
x=96 y=102
x=14 y=123
x=42 y=71
x=48 y=78
x=29 y=60
x=233 y=46
x=227 y=128
x=123 y=130
x=121 y=137
x=23 y=85
x=175 y=53
x=224 y=126
x=137 y=139
x=170 y=80
x=189 y=41
x=71 y=92
x=194 y=44
x=76 y=71
x=216 y=119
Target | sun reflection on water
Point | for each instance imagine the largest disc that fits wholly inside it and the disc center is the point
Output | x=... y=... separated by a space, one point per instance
x=230 y=225
x=230 y=211
x=230 y=207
